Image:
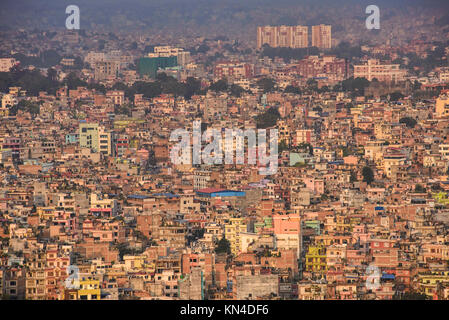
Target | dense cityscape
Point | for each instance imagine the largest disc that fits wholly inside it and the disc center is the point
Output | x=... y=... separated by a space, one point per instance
x=93 y=205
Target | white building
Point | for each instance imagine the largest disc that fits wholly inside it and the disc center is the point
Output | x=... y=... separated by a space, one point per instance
x=382 y=72
x=183 y=57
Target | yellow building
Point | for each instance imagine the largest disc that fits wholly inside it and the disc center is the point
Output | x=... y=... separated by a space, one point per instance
x=374 y=151
x=232 y=233
x=134 y=262
x=442 y=105
x=343 y=224
x=4 y=111
x=45 y=213
x=429 y=282
x=284 y=132
x=441 y=198
x=121 y=124
x=89 y=288
x=392 y=161
x=316 y=259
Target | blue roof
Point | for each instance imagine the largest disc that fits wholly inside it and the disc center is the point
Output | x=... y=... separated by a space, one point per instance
x=387 y=276
x=137 y=196
x=210 y=192
x=166 y=194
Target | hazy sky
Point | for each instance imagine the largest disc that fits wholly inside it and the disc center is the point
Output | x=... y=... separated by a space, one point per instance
x=42 y=14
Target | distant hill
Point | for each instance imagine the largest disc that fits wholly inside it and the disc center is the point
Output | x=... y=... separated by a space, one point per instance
x=201 y=17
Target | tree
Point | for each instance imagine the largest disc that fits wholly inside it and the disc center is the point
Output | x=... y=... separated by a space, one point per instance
x=52 y=74
x=419 y=188
x=220 y=85
x=72 y=81
x=346 y=51
x=409 y=122
x=356 y=86
x=193 y=86
x=49 y=58
x=312 y=83
x=266 y=84
x=148 y=89
x=345 y=150
x=223 y=246
x=97 y=86
x=416 y=85
x=236 y=90
x=368 y=175
x=123 y=109
x=203 y=48
x=307 y=147
x=395 y=96
x=411 y=296
x=287 y=53
x=268 y=118
x=26 y=106
x=101 y=44
x=353 y=177
x=30 y=80
x=282 y=146
x=170 y=85
x=292 y=89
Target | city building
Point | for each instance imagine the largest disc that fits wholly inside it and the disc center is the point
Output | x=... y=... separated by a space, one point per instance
x=374 y=69
x=283 y=36
x=322 y=36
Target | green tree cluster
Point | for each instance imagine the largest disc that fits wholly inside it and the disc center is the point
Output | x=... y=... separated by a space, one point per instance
x=409 y=122
x=223 y=246
x=268 y=118
x=368 y=175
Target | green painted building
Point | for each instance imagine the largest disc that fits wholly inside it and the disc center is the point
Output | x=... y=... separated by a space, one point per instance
x=314 y=224
x=149 y=66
